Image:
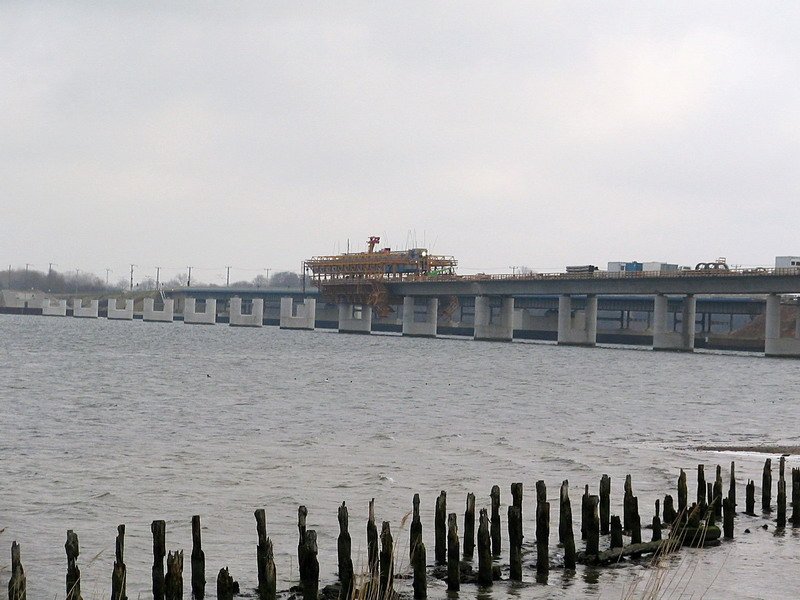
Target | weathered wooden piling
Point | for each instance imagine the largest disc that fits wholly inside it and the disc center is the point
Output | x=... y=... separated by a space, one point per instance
x=73 y=572
x=727 y=518
x=656 y=529
x=173 y=581
x=226 y=586
x=419 y=563
x=495 y=525
x=669 y=510
x=732 y=487
x=626 y=518
x=515 y=543
x=484 y=549
x=387 y=560
x=766 y=487
x=683 y=493
x=372 y=541
x=158 y=528
x=565 y=534
x=718 y=494
x=302 y=516
x=453 y=554
x=781 y=522
x=516 y=497
x=198 y=561
x=592 y=526
x=636 y=521
x=795 y=497
x=750 y=498
x=616 y=532
x=605 y=504
x=17 y=585
x=415 y=536
x=440 y=529
x=782 y=468
x=310 y=569
x=469 y=526
x=118 y=575
x=265 y=559
x=542 y=528
x=344 y=547
x=584 y=511
x=701 y=485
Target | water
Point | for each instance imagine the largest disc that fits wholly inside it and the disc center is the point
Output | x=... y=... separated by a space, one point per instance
x=107 y=422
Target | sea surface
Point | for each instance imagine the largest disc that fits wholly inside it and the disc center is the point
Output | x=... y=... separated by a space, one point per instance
x=108 y=422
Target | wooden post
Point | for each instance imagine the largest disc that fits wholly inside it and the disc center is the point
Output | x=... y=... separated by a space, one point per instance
x=198 y=561
x=372 y=541
x=173 y=581
x=669 y=510
x=795 y=497
x=158 y=529
x=605 y=504
x=440 y=529
x=495 y=526
x=469 y=526
x=782 y=468
x=387 y=561
x=710 y=508
x=310 y=569
x=265 y=559
x=701 y=485
x=565 y=534
x=593 y=527
x=416 y=529
x=302 y=515
x=73 y=572
x=542 y=529
x=626 y=518
x=419 y=562
x=453 y=554
x=718 y=494
x=484 y=550
x=750 y=498
x=516 y=497
x=616 y=532
x=584 y=512
x=732 y=488
x=727 y=518
x=17 y=585
x=345 y=554
x=781 y=503
x=226 y=586
x=636 y=522
x=515 y=543
x=683 y=494
x=656 y=529
x=766 y=487
x=118 y=575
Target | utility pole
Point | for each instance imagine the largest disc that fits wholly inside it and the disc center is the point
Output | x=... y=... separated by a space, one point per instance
x=189 y=280
x=228 y=277
x=77 y=274
x=267 y=271
x=158 y=278
x=132 y=276
x=25 y=285
x=50 y=269
x=107 y=272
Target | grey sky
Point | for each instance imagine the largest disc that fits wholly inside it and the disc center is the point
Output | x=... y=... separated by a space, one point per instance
x=535 y=133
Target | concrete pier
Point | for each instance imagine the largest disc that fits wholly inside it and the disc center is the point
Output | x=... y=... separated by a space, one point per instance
x=355 y=318
x=54 y=310
x=120 y=314
x=255 y=318
x=677 y=341
x=494 y=318
x=85 y=312
x=165 y=315
x=577 y=330
x=420 y=316
x=300 y=316
x=207 y=317
x=774 y=344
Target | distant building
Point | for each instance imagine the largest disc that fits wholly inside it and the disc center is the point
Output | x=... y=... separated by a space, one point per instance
x=633 y=266
x=17 y=299
x=782 y=262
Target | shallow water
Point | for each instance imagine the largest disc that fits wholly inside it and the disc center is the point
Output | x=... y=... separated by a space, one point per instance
x=107 y=422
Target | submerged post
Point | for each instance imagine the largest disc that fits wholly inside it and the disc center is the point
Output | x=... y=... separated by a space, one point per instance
x=17 y=585
x=781 y=503
x=727 y=518
x=626 y=518
x=469 y=526
x=118 y=575
x=302 y=514
x=766 y=487
x=198 y=561
x=701 y=486
x=565 y=534
x=795 y=497
x=732 y=487
x=416 y=528
x=542 y=529
x=372 y=541
x=173 y=582
x=453 y=554
x=750 y=498
x=73 y=572
x=226 y=586
x=387 y=561
x=495 y=527
x=636 y=522
x=345 y=554
x=440 y=529
x=605 y=504
x=419 y=562
x=515 y=543
x=616 y=532
x=592 y=527
x=718 y=494
x=669 y=510
x=265 y=560
x=158 y=529
x=310 y=569
x=484 y=550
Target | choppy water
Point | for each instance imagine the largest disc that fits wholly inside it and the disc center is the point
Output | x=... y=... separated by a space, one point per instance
x=106 y=422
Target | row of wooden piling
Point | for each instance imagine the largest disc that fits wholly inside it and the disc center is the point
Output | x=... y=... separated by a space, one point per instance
x=596 y=521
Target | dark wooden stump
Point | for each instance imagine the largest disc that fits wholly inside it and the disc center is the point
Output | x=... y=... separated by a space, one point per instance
x=727 y=518
x=626 y=518
x=795 y=497
x=310 y=567
x=515 y=543
x=419 y=562
x=173 y=581
x=118 y=575
x=592 y=526
x=584 y=511
x=542 y=529
x=73 y=572
x=344 y=548
x=453 y=554
x=750 y=498
x=669 y=510
x=718 y=494
x=710 y=507
x=17 y=585
x=387 y=560
x=226 y=586
x=198 y=561
x=656 y=529
x=732 y=488
x=302 y=516
x=766 y=487
x=701 y=485
x=605 y=504
x=469 y=526
x=616 y=532
x=516 y=498
x=636 y=522
x=416 y=529
x=495 y=524
x=781 y=503
x=158 y=529
x=372 y=542
x=265 y=560
x=484 y=549
x=565 y=533
x=440 y=529
x=683 y=494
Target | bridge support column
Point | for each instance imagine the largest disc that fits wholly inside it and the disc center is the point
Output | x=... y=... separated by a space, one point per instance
x=494 y=321
x=192 y=317
x=678 y=341
x=355 y=318
x=301 y=316
x=85 y=312
x=120 y=314
x=572 y=331
x=774 y=344
x=255 y=318
x=165 y=315
x=420 y=316
x=54 y=310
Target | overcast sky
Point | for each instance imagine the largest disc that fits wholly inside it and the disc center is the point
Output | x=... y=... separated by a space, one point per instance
x=524 y=133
